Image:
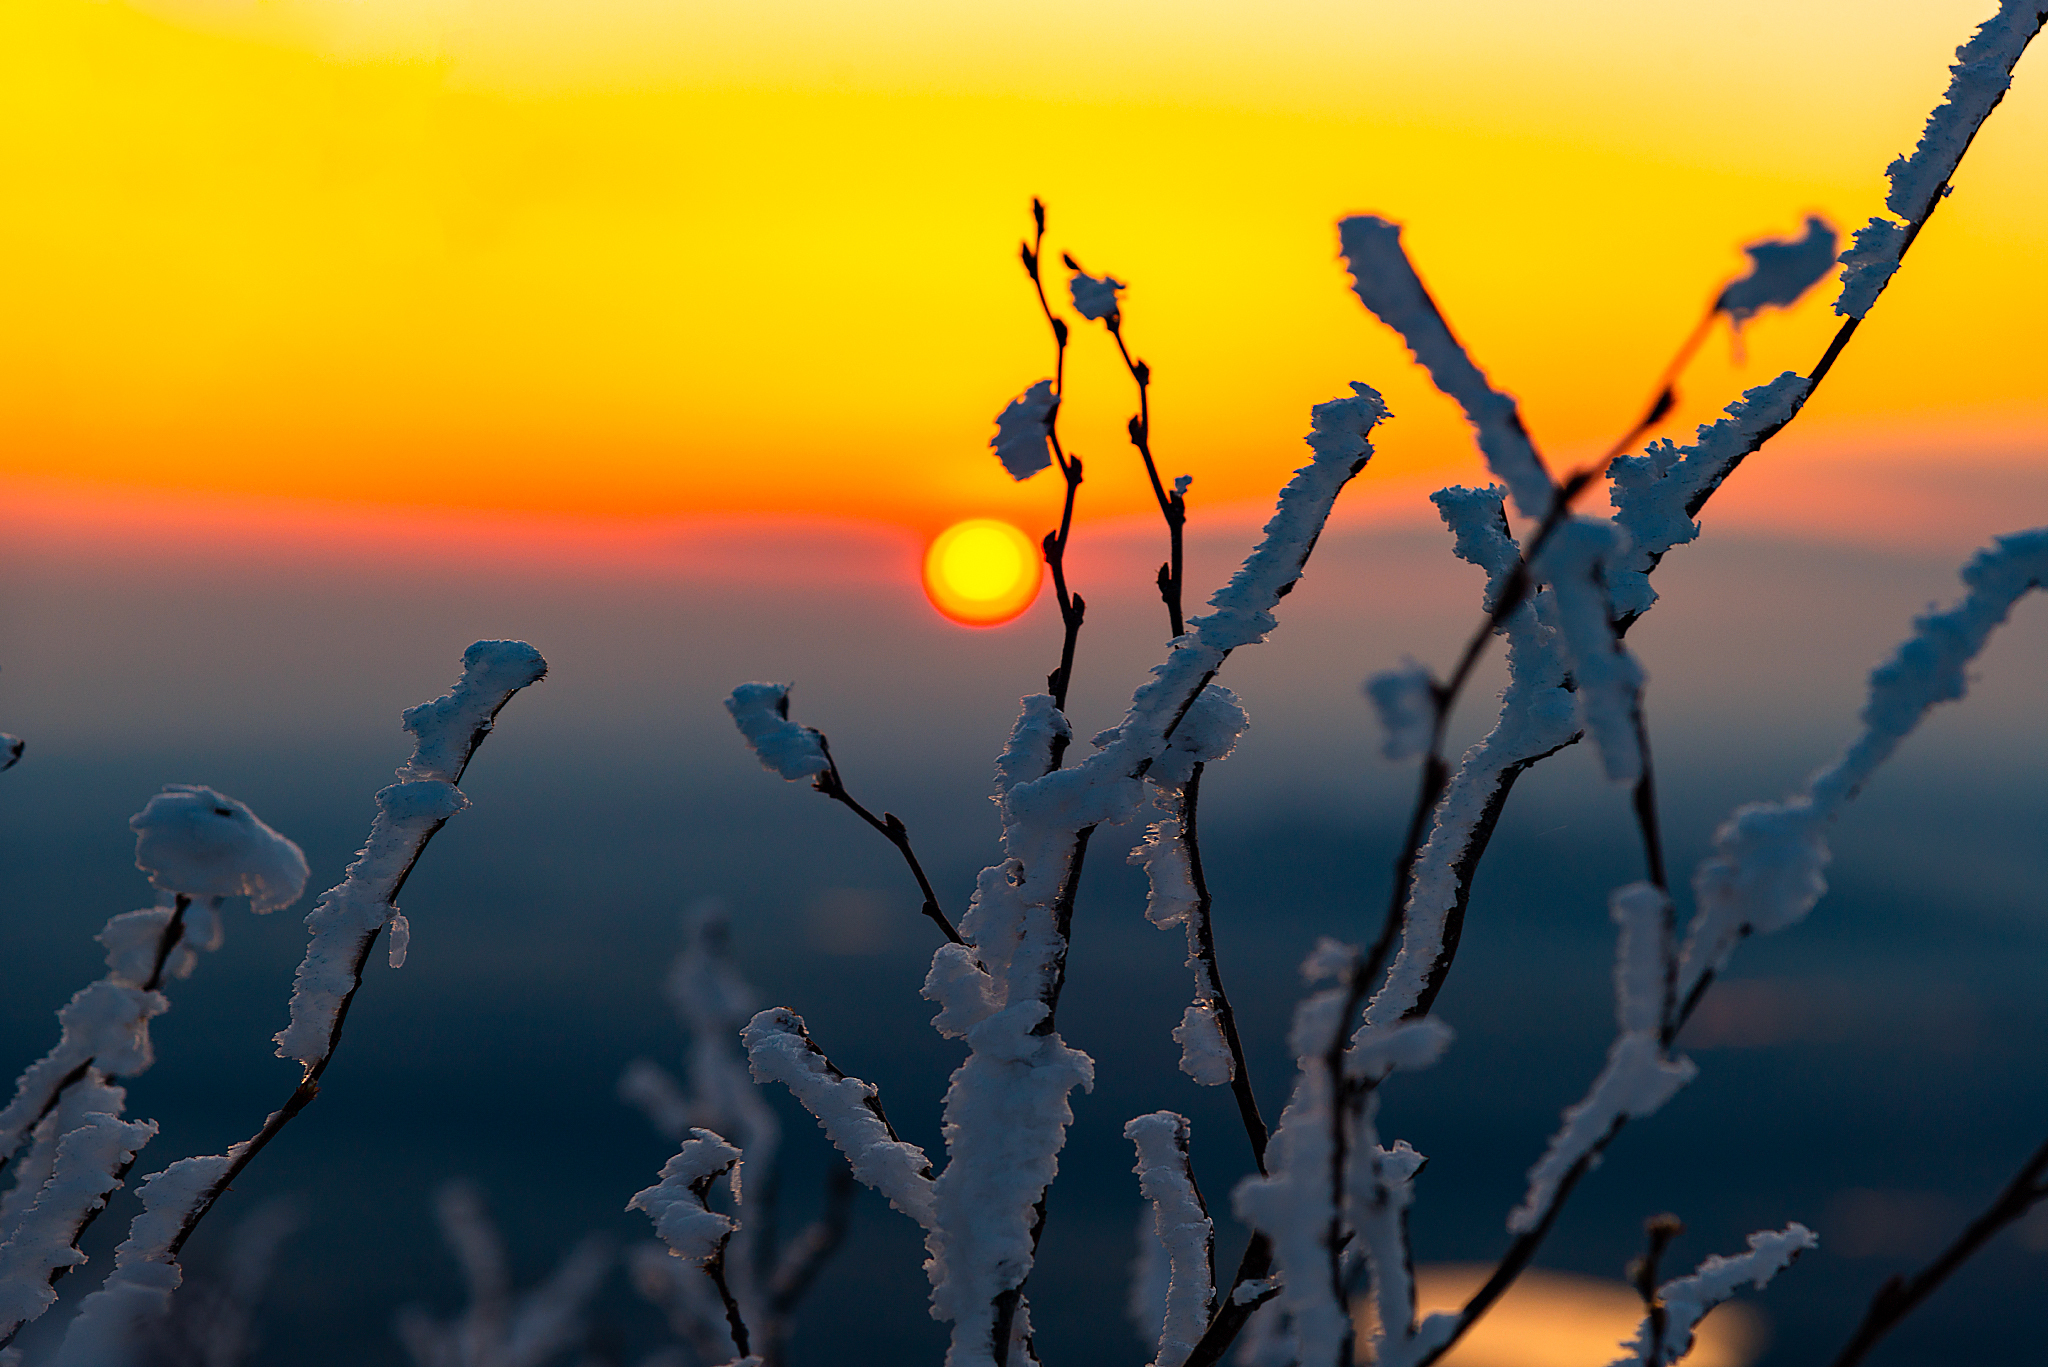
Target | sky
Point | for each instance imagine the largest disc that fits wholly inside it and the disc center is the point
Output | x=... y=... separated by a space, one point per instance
x=633 y=260
x=340 y=333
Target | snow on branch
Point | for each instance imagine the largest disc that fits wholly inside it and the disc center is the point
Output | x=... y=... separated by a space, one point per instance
x=1686 y=1300
x=1780 y=270
x=191 y=840
x=1006 y=1108
x=761 y=711
x=1765 y=872
x=1640 y=1075
x=104 y=1026
x=1208 y=733
x=447 y=731
x=347 y=919
x=1094 y=299
x=1379 y=1186
x=693 y=1231
x=1023 y=439
x=1184 y=1229
x=1609 y=681
x=1919 y=180
x=91 y=1093
x=1538 y=714
x=1386 y=283
x=780 y=1050
x=1656 y=494
x=1295 y=1203
x=1404 y=699
x=136 y=1296
x=90 y=1163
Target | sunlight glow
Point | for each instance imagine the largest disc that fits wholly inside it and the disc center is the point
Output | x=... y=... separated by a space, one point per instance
x=1556 y=1319
x=982 y=571
x=617 y=258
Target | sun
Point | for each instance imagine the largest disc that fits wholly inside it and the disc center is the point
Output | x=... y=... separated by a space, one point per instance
x=982 y=571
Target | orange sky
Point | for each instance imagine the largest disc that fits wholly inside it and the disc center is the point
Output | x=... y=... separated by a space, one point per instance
x=710 y=259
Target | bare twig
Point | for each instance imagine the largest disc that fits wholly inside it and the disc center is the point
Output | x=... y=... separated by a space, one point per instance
x=1658 y=1231
x=1900 y=1296
x=1204 y=938
x=173 y=932
x=892 y=829
x=1172 y=506
x=1073 y=608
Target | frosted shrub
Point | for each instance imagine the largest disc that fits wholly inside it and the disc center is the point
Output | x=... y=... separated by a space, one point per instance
x=1330 y=1200
x=64 y=1149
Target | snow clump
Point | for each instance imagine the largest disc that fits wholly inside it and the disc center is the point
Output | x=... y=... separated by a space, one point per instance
x=193 y=841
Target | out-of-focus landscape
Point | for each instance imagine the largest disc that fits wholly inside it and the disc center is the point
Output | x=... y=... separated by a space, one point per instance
x=664 y=337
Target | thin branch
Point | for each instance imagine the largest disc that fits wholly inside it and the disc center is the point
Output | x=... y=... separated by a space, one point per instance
x=892 y=829
x=241 y=1155
x=1900 y=1296
x=1231 y=1311
x=1658 y=1231
x=714 y=1267
x=1172 y=506
x=173 y=932
x=1205 y=950
x=1644 y=802
x=1073 y=608
x=1666 y=394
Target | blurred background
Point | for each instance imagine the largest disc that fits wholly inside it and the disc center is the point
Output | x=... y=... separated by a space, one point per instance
x=664 y=337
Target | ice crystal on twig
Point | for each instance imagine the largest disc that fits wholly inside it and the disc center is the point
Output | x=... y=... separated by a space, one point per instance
x=1780 y=271
x=1023 y=439
x=761 y=711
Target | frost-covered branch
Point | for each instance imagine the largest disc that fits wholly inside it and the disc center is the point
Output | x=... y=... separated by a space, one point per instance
x=1666 y=1335
x=1006 y=1110
x=1656 y=496
x=345 y=923
x=847 y=1109
x=1765 y=873
x=1328 y=1179
x=713 y=1001
x=1180 y=1220
x=1295 y=1204
x=1171 y=855
x=193 y=843
x=693 y=1231
x=1920 y=180
x=1378 y=1182
x=761 y=711
x=89 y=1164
x=1386 y=283
x=1781 y=271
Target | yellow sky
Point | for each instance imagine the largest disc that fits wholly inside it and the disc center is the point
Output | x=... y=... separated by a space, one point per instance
x=635 y=257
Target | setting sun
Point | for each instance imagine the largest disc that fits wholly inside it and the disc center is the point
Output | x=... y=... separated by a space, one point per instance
x=982 y=571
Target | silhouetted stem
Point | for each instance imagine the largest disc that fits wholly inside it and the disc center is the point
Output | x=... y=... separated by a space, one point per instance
x=892 y=829
x=241 y=1155
x=1900 y=1296
x=1205 y=951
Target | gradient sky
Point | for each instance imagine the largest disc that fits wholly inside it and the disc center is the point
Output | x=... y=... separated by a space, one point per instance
x=639 y=259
